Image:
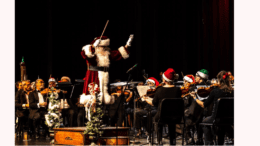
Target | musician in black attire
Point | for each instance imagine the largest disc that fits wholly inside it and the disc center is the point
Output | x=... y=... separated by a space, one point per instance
x=22 y=105
x=225 y=90
x=195 y=113
x=140 y=113
x=188 y=100
x=117 y=109
x=69 y=114
x=169 y=90
x=18 y=86
x=38 y=108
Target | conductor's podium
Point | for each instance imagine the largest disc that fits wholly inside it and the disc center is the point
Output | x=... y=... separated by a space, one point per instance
x=75 y=136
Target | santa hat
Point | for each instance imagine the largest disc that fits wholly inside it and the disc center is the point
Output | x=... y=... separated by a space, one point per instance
x=66 y=78
x=169 y=75
x=153 y=80
x=189 y=78
x=203 y=73
x=104 y=41
x=51 y=79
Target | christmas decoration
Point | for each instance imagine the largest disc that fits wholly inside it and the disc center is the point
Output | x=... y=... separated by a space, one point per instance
x=52 y=119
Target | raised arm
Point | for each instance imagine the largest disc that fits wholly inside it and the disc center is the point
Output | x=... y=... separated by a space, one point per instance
x=87 y=52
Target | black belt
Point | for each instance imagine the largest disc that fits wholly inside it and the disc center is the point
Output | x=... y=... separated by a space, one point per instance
x=96 y=68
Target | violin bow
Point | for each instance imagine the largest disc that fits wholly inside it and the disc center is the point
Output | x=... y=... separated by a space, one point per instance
x=182 y=75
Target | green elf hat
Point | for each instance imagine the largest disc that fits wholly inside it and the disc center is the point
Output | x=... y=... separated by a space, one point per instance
x=203 y=73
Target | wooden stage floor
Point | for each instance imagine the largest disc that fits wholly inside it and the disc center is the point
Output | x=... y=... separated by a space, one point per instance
x=43 y=141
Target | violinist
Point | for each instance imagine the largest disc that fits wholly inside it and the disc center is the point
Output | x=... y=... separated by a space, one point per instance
x=189 y=86
x=148 y=100
x=202 y=77
x=224 y=90
x=38 y=104
x=22 y=105
x=195 y=112
x=117 y=109
x=169 y=90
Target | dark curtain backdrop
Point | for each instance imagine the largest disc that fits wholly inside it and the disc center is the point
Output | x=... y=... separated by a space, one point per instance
x=184 y=35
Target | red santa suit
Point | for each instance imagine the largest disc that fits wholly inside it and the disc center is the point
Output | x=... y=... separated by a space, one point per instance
x=98 y=61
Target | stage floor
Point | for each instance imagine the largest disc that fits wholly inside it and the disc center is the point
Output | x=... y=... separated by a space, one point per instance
x=44 y=141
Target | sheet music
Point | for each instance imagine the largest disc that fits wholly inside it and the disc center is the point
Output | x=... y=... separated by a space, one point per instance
x=142 y=90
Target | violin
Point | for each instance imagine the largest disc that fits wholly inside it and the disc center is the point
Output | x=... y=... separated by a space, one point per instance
x=185 y=89
x=48 y=90
x=204 y=91
x=150 y=92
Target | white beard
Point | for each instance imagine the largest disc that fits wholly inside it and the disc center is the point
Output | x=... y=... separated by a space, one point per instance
x=102 y=54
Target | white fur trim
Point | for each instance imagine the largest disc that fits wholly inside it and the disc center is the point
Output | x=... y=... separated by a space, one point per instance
x=150 y=80
x=188 y=79
x=88 y=51
x=103 y=85
x=84 y=98
x=104 y=43
x=123 y=52
x=166 y=78
x=204 y=76
x=102 y=54
x=51 y=80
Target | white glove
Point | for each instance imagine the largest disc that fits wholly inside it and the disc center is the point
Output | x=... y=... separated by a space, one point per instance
x=130 y=40
x=96 y=43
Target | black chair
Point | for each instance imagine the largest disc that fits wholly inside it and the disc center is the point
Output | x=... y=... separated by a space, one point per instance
x=224 y=114
x=171 y=112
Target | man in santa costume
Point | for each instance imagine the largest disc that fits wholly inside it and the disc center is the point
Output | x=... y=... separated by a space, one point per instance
x=98 y=56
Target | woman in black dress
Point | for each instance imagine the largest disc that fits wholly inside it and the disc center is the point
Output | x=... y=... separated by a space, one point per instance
x=169 y=90
x=225 y=90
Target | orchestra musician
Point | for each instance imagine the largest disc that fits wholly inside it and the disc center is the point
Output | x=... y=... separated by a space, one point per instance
x=22 y=105
x=117 y=110
x=18 y=86
x=169 y=90
x=224 y=90
x=141 y=112
x=202 y=77
x=69 y=113
x=195 y=113
x=38 y=104
x=189 y=86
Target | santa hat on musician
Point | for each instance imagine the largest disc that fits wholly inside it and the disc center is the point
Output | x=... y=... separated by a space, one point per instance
x=153 y=80
x=105 y=41
x=51 y=79
x=169 y=75
x=189 y=78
